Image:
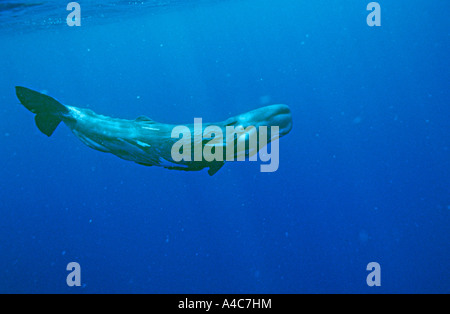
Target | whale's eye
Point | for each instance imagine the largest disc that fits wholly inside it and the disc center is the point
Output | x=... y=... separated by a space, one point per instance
x=231 y=122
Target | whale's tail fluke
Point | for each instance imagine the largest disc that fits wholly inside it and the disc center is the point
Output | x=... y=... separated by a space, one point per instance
x=49 y=112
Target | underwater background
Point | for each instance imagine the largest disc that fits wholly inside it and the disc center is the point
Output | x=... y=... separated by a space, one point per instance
x=363 y=176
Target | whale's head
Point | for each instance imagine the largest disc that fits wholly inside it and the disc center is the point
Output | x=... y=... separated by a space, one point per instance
x=270 y=116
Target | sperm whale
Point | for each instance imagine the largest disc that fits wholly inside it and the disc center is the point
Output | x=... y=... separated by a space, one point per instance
x=150 y=143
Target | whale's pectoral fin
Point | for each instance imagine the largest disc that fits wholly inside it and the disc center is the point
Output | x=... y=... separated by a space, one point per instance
x=215 y=166
x=48 y=110
x=145 y=164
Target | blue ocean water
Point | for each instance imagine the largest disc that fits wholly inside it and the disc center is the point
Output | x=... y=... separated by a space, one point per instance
x=363 y=176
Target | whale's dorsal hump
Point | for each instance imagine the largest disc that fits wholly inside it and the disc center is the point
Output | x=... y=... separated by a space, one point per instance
x=144 y=119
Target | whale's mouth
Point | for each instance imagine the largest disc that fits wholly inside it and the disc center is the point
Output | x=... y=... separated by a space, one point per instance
x=282 y=117
x=270 y=116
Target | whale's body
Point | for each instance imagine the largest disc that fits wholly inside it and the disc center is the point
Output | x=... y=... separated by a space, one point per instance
x=142 y=140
